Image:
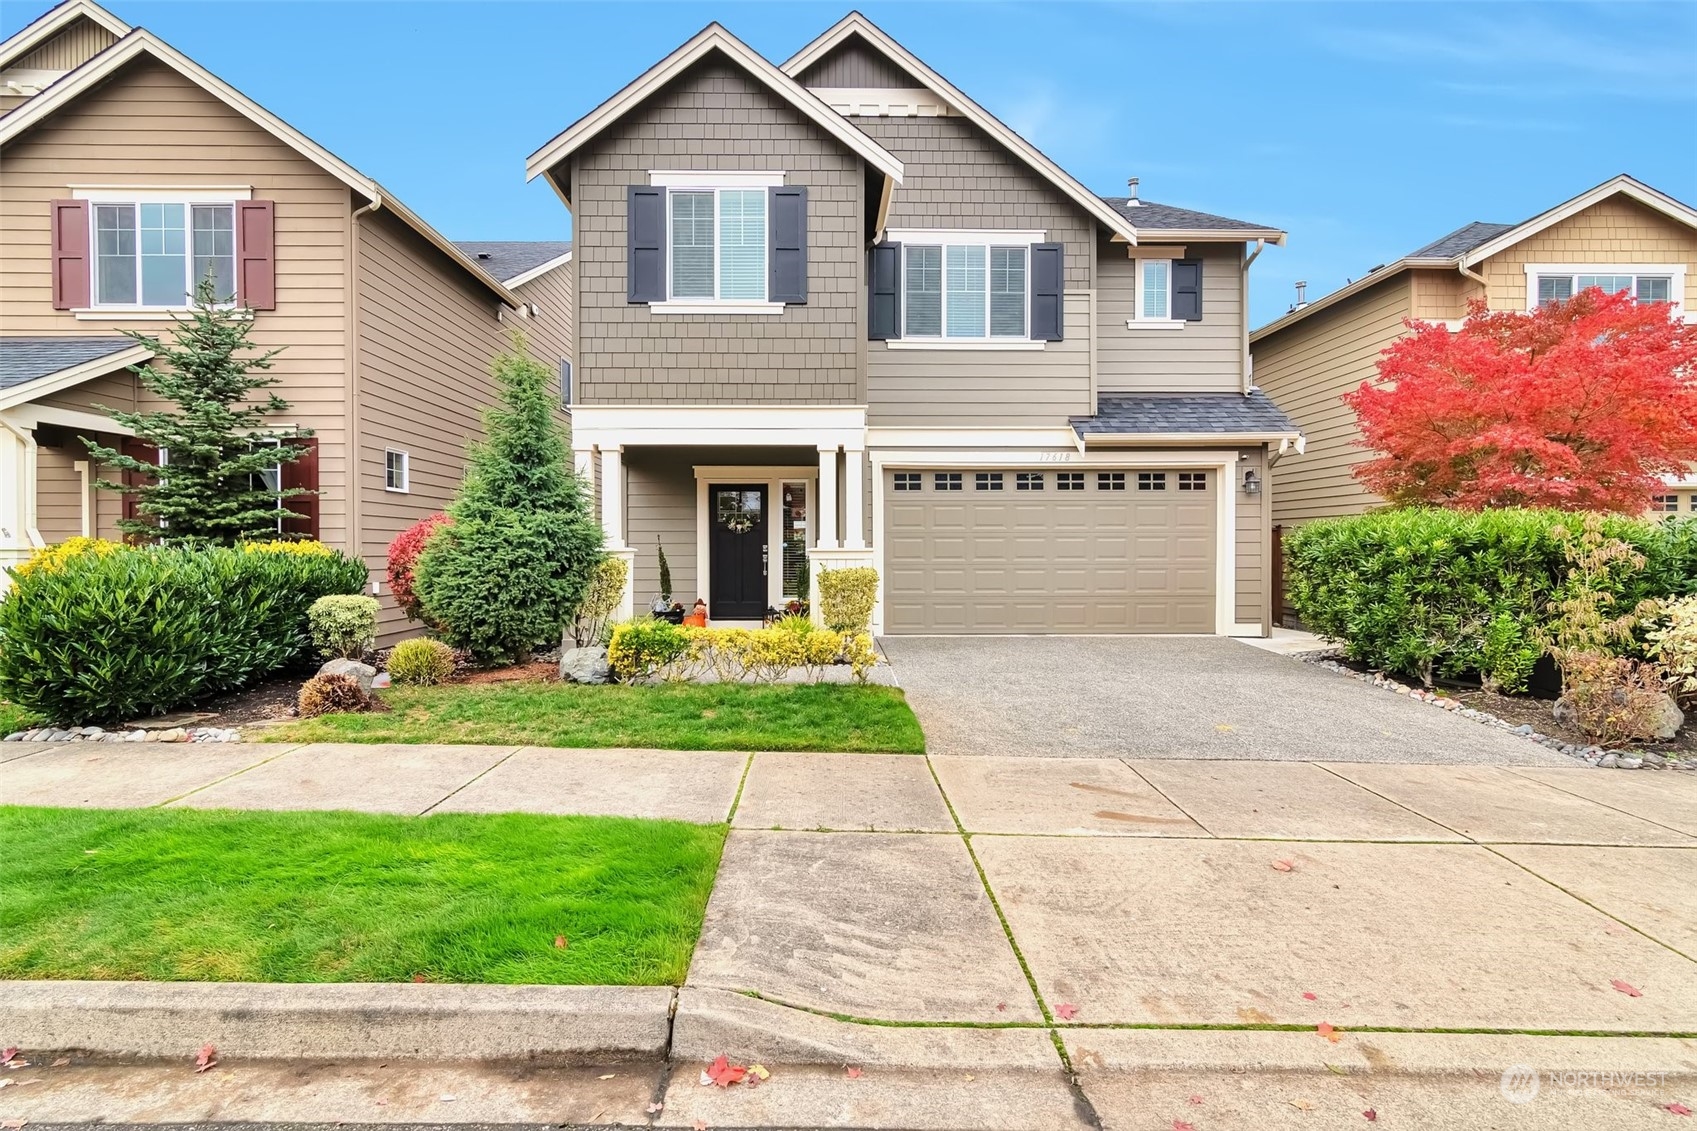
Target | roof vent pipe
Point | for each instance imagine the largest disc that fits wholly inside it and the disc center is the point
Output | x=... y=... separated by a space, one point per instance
x=1131 y=191
x=1301 y=294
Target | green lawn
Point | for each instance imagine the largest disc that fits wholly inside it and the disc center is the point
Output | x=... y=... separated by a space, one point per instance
x=683 y=716
x=15 y=718
x=173 y=895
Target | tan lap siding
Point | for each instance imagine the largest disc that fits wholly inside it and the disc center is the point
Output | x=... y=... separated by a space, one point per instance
x=59 y=495
x=150 y=126
x=550 y=332
x=1613 y=231
x=427 y=336
x=1306 y=369
x=986 y=388
x=1252 y=534
x=716 y=118
x=1205 y=356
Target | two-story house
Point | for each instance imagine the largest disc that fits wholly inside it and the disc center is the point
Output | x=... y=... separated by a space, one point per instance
x=127 y=173
x=834 y=312
x=1622 y=235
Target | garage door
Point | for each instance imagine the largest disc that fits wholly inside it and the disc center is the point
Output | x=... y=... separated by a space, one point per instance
x=1004 y=550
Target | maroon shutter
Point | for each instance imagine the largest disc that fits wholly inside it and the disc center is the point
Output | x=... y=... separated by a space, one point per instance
x=146 y=453
x=256 y=262
x=302 y=473
x=70 y=254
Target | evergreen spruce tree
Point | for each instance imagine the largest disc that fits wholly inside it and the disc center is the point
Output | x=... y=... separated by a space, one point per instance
x=510 y=571
x=214 y=488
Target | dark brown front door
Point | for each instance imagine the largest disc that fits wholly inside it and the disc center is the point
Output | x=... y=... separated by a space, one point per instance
x=736 y=551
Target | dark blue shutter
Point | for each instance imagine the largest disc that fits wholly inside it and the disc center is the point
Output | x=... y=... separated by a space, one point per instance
x=645 y=259
x=1187 y=290
x=1048 y=271
x=786 y=243
x=884 y=306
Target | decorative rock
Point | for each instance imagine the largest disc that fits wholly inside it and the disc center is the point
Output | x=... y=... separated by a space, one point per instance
x=1609 y=761
x=585 y=665
x=1629 y=762
x=1653 y=760
x=365 y=673
x=1669 y=718
x=15 y=736
x=1523 y=728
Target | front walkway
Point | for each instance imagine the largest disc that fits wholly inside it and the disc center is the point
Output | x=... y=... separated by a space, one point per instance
x=1169 y=922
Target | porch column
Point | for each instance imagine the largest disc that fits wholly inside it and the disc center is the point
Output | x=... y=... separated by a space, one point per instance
x=613 y=496
x=18 y=535
x=854 y=498
x=827 y=538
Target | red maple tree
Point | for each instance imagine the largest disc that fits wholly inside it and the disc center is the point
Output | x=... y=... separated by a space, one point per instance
x=1581 y=405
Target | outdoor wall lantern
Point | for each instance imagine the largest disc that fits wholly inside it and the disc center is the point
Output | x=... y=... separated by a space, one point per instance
x=1251 y=482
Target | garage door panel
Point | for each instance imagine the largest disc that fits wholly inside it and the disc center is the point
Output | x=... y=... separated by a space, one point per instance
x=1096 y=560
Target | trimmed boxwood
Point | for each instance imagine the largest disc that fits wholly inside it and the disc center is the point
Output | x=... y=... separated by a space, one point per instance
x=102 y=638
x=1425 y=592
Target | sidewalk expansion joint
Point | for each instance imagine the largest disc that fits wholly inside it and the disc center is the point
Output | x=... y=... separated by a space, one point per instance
x=498 y=763
x=287 y=749
x=742 y=782
x=1575 y=895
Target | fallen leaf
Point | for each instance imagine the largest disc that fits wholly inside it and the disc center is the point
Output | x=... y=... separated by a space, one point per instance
x=760 y=1071
x=420 y=978
x=559 y=942
x=1310 y=997
x=1626 y=988
x=1181 y=1125
x=1678 y=1109
x=61 y=1062
x=382 y=1103
x=6 y=1055
x=656 y=1107
x=969 y=1077
x=1066 y=1011
x=1195 y=1099
x=1224 y=728
x=208 y=1058
x=608 y=1076
x=723 y=1073
x=1001 y=1007
x=699 y=1125
x=852 y=1072
x=1326 y=1030
x=1301 y=1105
x=11 y=1124
x=1283 y=866
x=1370 y=1115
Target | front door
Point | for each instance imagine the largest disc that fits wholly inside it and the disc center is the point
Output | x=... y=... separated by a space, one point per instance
x=737 y=552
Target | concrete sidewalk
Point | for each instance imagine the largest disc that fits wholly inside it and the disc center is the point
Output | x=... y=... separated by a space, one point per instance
x=1178 y=928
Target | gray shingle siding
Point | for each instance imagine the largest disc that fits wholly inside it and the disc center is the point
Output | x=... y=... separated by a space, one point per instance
x=1144 y=413
x=717 y=118
x=854 y=64
x=23 y=360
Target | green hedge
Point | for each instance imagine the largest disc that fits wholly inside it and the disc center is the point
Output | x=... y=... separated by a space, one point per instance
x=105 y=637
x=1426 y=592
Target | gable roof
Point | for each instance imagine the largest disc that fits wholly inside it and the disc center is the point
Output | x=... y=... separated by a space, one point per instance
x=32 y=367
x=1171 y=222
x=139 y=42
x=1476 y=242
x=54 y=21
x=855 y=24
x=709 y=39
x=517 y=262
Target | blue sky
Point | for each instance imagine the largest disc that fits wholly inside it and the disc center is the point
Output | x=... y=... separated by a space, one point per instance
x=1363 y=129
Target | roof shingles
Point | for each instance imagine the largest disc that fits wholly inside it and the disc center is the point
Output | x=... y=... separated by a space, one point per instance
x=506 y=260
x=23 y=360
x=1123 y=414
x=1147 y=215
x=1461 y=241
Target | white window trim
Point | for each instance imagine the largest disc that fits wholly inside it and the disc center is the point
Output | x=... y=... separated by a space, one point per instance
x=989 y=240
x=141 y=311
x=1676 y=271
x=406 y=471
x=665 y=178
x=1138 y=321
x=713 y=183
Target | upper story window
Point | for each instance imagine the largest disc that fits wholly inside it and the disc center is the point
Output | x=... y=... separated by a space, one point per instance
x=155 y=253
x=718 y=244
x=949 y=289
x=963 y=291
x=1547 y=283
x=1166 y=293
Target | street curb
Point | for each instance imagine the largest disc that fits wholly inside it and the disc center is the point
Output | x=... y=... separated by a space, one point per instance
x=711 y=1022
x=405 y=1021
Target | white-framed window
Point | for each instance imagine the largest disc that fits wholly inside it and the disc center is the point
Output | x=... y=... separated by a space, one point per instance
x=716 y=243
x=397 y=470
x=1154 y=302
x=269 y=479
x=154 y=253
x=1645 y=282
x=969 y=292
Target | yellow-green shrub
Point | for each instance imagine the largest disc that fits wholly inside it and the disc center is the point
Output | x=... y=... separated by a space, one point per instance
x=343 y=625
x=421 y=660
x=644 y=649
x=51 y=558
x=299 y=547
x=641 y=648
x=606 y=586
x=860 y=654
x=846 y=597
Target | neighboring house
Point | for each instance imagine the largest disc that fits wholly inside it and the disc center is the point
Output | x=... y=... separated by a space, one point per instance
x=127 y=172
x=1621 y=235
x=836 y=312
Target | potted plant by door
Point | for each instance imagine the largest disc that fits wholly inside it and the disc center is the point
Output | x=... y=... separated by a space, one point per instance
x=664 y=608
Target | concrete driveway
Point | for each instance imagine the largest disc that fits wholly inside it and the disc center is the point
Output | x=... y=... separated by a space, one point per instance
x=1172 y=697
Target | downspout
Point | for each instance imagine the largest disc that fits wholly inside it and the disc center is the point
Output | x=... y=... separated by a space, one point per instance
x=1248 y=382
x=351 y=418
x=1469 y=273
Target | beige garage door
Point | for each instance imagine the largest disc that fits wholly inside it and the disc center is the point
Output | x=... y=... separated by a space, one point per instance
x=1000 y=550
